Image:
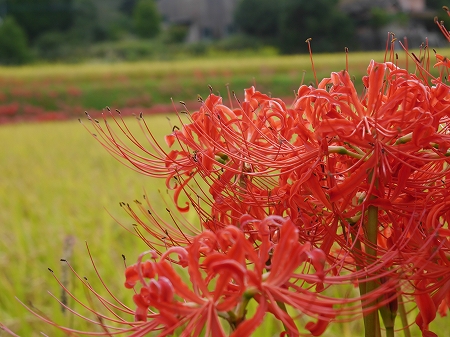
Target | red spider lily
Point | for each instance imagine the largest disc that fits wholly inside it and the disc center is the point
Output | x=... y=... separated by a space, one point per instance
x=238 y=272
x=275 y=286
x=326 y=163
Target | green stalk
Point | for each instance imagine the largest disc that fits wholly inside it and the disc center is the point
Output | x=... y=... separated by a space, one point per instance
x=388 y=313
x=378 y=325
x=390 y=331
x=237 y=316
x=359 y=263
x=371 y=323
x=403 y=318
x=342 y=150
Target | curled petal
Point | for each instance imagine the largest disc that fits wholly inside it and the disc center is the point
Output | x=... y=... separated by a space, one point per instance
x=317 y=328
x=142 y=306
x=133 y=274
x=426 y=306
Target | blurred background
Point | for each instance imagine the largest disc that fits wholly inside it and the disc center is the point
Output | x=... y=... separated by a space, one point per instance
x=131 y=30
x=59 y=58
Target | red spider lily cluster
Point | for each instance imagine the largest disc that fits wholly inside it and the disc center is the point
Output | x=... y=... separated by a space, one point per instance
x=337 y=188
x=227 y=260
x=293 y=201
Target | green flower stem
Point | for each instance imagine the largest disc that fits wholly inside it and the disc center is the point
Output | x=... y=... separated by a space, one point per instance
x=238 y=315
x=354 y=147
x=388 y=315
x=390 y=331
x=405 y=139
x=344 y=151
x=371 y=322
x=359 y=263
x=403 y=318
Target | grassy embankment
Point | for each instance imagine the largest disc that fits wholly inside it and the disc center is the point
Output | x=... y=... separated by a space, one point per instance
x=60 y=91
x=56 y=181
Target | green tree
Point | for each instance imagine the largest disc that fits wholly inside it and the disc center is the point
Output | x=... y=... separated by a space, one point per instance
x=146 y=19
x=40 y=16
x=379 y=18
x=321 y=20
x=57 y=45
x=127 y=6
x=257 y=17
x=86 y=28
x=13 y=43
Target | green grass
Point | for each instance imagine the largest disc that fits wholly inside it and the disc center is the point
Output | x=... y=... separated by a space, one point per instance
x=56 y=182
x=69 y=88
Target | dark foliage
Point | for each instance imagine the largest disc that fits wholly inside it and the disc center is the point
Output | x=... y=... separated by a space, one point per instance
x=321 y=20
x=258 y=17
x=288 y=23
x=40 y=16
x=13 y=43
x=146 y=19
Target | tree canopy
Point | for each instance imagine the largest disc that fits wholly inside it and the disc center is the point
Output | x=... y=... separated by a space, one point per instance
x=291 y=22
x=13 y=43
x=258 y=17
x=39 y=16
x=321 y=20
x=146 y=18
